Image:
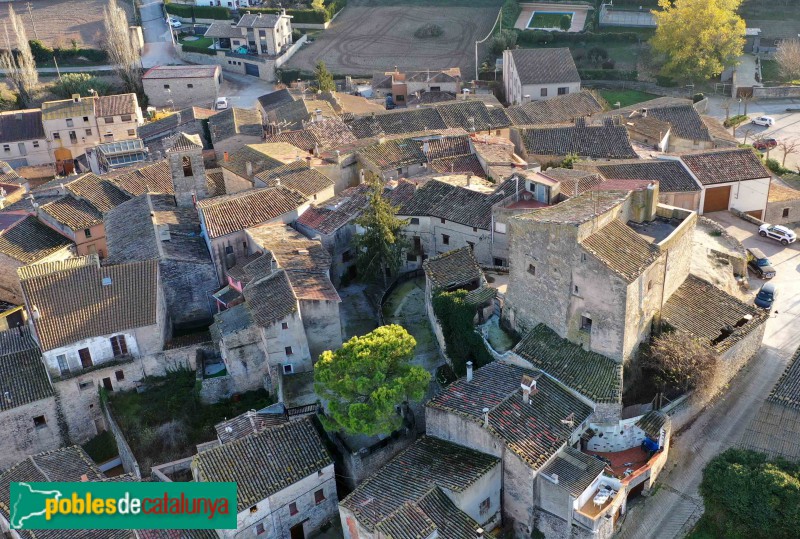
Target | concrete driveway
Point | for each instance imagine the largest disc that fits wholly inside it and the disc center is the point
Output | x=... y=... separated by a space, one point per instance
x=158 y=47
x=243 y=90
x=676 y=505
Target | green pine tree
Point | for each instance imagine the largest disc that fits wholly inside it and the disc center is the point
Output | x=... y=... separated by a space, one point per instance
x=324 y=78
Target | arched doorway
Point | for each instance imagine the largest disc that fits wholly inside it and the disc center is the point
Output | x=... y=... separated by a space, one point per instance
x=65 y=165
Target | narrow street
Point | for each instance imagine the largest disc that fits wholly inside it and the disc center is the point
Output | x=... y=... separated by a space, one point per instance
x=676 y=505
x=158 y=47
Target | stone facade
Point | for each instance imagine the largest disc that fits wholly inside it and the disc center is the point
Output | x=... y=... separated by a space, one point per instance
x=781 y=212
x=188 y=176
x=323 y=327
x=22 y=437
x=430 y=233
x=10 y=289
x=182 y=90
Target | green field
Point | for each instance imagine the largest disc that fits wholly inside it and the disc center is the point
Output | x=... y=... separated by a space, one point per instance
x=626 y=98
x=203 y=42
x=547 y=20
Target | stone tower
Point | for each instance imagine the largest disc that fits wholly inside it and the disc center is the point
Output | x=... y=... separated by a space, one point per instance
x=185 y=154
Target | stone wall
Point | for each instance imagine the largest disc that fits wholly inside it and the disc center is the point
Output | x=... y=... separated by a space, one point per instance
x=20 y=437
x=203 y=90
x=216 y=389
x=776 y=210
x=776 y=92
x=322 y=325
x=188 y=286
x=129 y=463
x=10 y=289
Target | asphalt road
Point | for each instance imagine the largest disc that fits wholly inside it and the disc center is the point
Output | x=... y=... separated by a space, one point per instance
x=676 y=505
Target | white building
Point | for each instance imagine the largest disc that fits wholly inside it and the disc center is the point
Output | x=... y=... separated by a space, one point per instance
x=537 y=74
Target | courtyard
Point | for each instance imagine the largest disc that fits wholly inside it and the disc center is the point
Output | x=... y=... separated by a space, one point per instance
x=544 y=16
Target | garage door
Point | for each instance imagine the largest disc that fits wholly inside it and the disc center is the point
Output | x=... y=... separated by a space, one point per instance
x=251 y=69
x=717 y=199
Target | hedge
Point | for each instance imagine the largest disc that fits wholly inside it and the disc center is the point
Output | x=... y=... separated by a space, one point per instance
x=306 y=16
x=44 y=54
x=608 y=74
x=187 y=11
x=539 y=37
x=201 y=50
x=735 y=120
x=462 y=343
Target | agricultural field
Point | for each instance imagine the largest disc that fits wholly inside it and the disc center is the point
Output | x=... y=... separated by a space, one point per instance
x=777 y=19
x=377 y=35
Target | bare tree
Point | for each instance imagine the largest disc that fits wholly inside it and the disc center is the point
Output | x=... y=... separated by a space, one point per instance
x=20 y=67
x=788 y=57
x=122 y=52
x=788 y=146
x=726 y=106
x=681 y=361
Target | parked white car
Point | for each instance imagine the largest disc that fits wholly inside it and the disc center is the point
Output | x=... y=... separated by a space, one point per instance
x=221 y=103
x=766 y=121
x=175 y=23
x=778 y=233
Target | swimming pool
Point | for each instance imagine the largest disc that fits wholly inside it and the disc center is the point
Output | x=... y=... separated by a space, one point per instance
x=545 y=20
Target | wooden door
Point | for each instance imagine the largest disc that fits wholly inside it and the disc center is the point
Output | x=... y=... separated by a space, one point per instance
x=86 y=358
x=717 y=199
x=297 y=532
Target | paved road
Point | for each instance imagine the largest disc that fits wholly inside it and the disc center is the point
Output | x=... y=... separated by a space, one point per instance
x=676 y=506
x=243 y=90
x=158 y=47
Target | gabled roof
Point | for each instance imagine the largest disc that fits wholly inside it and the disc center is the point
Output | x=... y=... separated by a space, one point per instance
x=576 y=471
x=460 y=164
x=721 y=166
x=263 y=464
x=545 y=66
x=296 y=114
x=778 y=192
x=397 y=122
x=533 y=431
x=166 y=125
x=671 y=176
x=259 y=20
x=277 y=98
x=453 y=203
x=556 y=110
x=116 y=105
x=23 y=378
x=401 y=499
x=231 y=213
x=235 y=121
x=787 y=388
x=29 y=241
x=652 y=422
x=621 y=249
x=591 y=374
x=470 y=115
x=593 y=141
x=92 y=301
x=224 y=29
x=270 y=299
x=685 y=121
x=182 y=72
x=251 y=422
x=394 y=153
x=19 y=125
x=181 y=142
x=100 y=192
x=255 y=154
x=453 y=269
x=573 y=181
x=151 y=178
x=579 y=209
x=297 y=176
x=68 y=108
x=72 y=212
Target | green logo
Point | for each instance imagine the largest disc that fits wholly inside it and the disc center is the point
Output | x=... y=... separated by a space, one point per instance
x=123 y=506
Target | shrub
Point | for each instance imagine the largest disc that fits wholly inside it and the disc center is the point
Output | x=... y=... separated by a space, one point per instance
x=565 y=22
x=188 y=11
x=79 y=83
x=462 y=343
x=774 y=166
x=187 y=47
x=698 y=97
x=608 y=74
x=735 y=120
x=41 y=52
x=307 y=16
x=533 y=37
x=667 y=82
x=597 y=55
x=506 y=39
x=428 y=31
x=608 y=64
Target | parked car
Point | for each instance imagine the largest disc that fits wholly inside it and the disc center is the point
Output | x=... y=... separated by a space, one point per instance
x=175 y=23
x=766 y=121
x=765 y=144
x=759 y=264
x=778 y=233
x=766 y=296
x=221 y=103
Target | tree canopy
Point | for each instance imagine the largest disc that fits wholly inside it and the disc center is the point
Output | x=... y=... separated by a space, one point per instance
x=324 y=78
x=380 y=244
x=700 y=38
x=681 y=361
x=747 y=496
x=367 y=378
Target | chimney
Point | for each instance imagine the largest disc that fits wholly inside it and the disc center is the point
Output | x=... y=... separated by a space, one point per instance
x=248 y=167
x=469 y=179
x=318 y=115
x=471 y=123
x=644 y=113
x=361 y=176
x=178 y=117
x=426 y=148
x=528 y=385
x=469 y=371
x=554 y=477
x=485 y=417
x=35 y=312
x=225 y=157
x=526 y=99
x=84 y=478
x=316 y=152
x=277 y=181
x=76 y=98
x=479 y=533
x=652 y=201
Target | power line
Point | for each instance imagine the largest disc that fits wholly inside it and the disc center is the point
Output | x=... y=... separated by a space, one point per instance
x=33 y=23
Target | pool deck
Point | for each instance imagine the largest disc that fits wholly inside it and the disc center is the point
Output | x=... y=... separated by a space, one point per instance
x=579 y=11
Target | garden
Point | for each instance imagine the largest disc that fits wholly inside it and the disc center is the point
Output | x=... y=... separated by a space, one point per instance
x=545 y=19
x=625 y=98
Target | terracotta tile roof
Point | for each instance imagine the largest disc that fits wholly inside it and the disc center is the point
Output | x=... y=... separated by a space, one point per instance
x=74 y=213
x=235 y=121
x=429 y=98
x=722 y=166
x=263 y=464
x=181 y=142
x=787 y=388
x=277 y=98
x=251 y=422
x=556 y=110
x=469 y=115
x=37 y=270
x=102 y=193
x=671 y=176
x=116 y=105
x=16 y=340
x=167 y=125
x=453 y=203
x=407 y=483
x=589 y=373
x=534 y=431
x=255 y=154
x=576 y=471
x=237 y=271
x=298 y=114
x=29 y=241
x=152 y=178
x=75 y=304
x=182 y=72
x=313 y=286
x=579 y=209
x=685 y=121
x=448 y=147
x=23 y=379
x=703 y=310
x=397 y=122
x=304 y=139
x=621 y=249
x=652 y=422
x=67 y=108
x=593 y=141
x=270 y=299
x=462 y=164
x=223 y=29
x=493 y=150
x=545 y=66
x=20 y=125
x=259 y=20
x=394 y=153
x=573 y=182
x=774 y=431
x=215 y=182
x=719 y=133
x=453 y=269
x=779 y=192
x=297 y=176
x=231 y=213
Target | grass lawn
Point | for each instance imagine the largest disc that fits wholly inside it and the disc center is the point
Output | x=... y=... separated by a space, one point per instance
x=203 y=42
x=625 y=97
x=547 y=20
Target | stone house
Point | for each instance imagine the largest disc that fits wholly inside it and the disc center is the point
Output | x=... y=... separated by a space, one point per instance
x=783 y=205
x=299 y=176
x=402 y=86
x=453 y=270
x=562 y=109
x=240 y=167
x=433 y=489
x=28 y=416
x=285 y=477
x=233 y=128
x=223 y=220
x=78 y=220
x=189 y=120
x=182 y=86
x=537 y=74
x=84 y=315
x=27 y=241
x=22 y=138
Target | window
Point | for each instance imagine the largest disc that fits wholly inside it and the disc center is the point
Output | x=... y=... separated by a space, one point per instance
x=118 y=345
x=411 y=257
x=288 y=350
x=347 y=256
x=284 y=325
x=229 y=250
x=575 y=289
x=86 y=119
x=400 y=98
x=6 y=147
x=695 y=143
x=63 y=365
x=187 y=166
x=500 y=262
x=500 y=228
x=414 y=221
x=260 y=528
x=190 y=85
x=485 y=506
x=443 y=221
x=69 y=122
x=107 y=384
x=785 y=212
x=244 y=246
x=445 y=239
x=56 y=135
x=166 y=86
x=436 y=88
x=564 y=90
x=109 y=136
x=39 y=422
x=88 y=132
x=288 y=369
x=474 y=228
x=586 y=323
x=108 y=119
x=86 y=358
x=83 y=386
x=293 y=509
x=531 y=269
x=319 y=497
x=126 y=118
x=471 y=245
x=583 y=257
x=254 y=509
x=543 y=92
x=131 y=132
x=649 y=285
x=119 y=375
x=87 y=232
x=73 y=137
x=35 y=143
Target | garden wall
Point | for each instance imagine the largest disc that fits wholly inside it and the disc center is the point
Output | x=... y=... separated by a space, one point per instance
x=129 y=463
x=776 y=92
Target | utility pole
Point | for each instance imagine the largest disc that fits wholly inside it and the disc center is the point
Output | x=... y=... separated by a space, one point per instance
x=30 y=13
x=57 y=70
